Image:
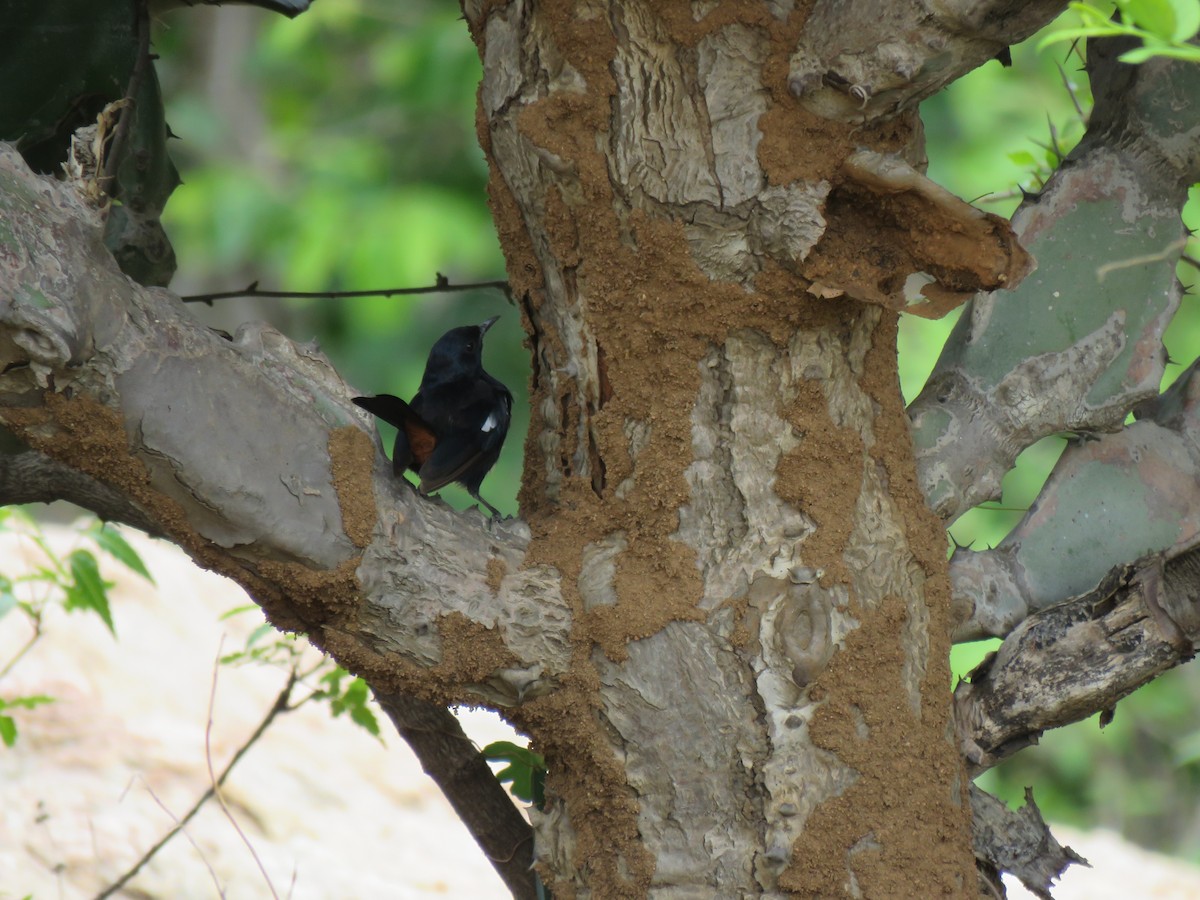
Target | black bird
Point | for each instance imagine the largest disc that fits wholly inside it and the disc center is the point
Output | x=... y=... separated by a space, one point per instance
x=456 y=423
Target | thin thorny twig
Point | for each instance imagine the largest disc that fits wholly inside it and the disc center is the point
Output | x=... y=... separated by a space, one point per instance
x=282 y=704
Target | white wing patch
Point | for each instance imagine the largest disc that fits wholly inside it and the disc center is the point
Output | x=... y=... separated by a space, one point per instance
x=489 y=423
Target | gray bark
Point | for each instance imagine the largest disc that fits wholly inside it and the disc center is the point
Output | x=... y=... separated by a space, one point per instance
x=1081 y=657
x=862 y=60
x=1076 y=346
x=120 y=383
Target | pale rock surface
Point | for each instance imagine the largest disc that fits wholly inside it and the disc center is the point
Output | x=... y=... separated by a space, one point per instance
x=330 y=812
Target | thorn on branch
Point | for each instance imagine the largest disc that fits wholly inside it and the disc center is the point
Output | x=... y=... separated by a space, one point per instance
x=282 y=704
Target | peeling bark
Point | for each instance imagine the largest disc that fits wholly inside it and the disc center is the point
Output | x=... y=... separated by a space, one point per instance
x=1016 y=841
x=1080 y=657
x=957 y=250
x=1116 y=498
x=1079 y=343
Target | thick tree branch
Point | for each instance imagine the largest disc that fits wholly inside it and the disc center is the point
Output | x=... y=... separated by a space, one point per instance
x=249 y=454
x=1108 y=501
x=1080 y=657
x=27 y=476
x=1078 y=343
x=862 y=60
x=121 y=384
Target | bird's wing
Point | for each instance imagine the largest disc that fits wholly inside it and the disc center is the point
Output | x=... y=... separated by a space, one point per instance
x=415 y=439
x=495 y=424
x=473 y=439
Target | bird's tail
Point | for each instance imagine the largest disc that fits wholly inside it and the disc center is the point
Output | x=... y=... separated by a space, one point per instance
x=391 y=409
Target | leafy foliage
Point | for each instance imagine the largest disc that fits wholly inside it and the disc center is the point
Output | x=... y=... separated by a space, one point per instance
x=1164 y=27
x=351 y=699
x=72 y=582
x=525 y=773
x=345 y=693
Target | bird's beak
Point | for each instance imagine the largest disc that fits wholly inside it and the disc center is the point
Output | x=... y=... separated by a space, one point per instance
x=484 y=326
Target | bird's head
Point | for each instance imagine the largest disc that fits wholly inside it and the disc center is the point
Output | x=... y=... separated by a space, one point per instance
x=460 y=350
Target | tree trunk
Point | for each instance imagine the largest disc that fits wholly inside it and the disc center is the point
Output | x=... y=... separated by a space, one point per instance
x=719 y=463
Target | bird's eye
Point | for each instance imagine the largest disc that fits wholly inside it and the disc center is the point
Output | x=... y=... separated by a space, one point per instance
x=470 y=345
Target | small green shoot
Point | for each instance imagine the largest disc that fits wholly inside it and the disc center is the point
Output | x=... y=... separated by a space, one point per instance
x=1164 y=27
x=352 y=699
x=72 y=582
x=8 y=727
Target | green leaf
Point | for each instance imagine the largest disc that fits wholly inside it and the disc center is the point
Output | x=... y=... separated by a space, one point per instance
x=364 y=718
x=356 y=693
x=1187 y=18
x=1185 y=52
x=237 y=610
x=114 y=544
x=333 y=680
x=27 y=702
x=1095 y=18
x=1155 y=16
x=526 y=770
x=8 y=726
x=88 y=590
x=1069 y=34
x=258 y=633
x=1023 y=158
x=352 y=701
x=8 y=600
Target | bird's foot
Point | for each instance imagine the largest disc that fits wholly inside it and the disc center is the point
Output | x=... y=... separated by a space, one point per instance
x=496 y=517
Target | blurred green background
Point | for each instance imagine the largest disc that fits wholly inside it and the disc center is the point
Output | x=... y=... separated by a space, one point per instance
x=337 y=151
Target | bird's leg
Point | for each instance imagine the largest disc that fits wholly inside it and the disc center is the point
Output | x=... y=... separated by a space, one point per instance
x=495 y=512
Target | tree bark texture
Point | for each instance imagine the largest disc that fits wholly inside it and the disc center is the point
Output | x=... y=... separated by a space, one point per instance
x=1074 y=348
x=1080 y=657
x=718 y=463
